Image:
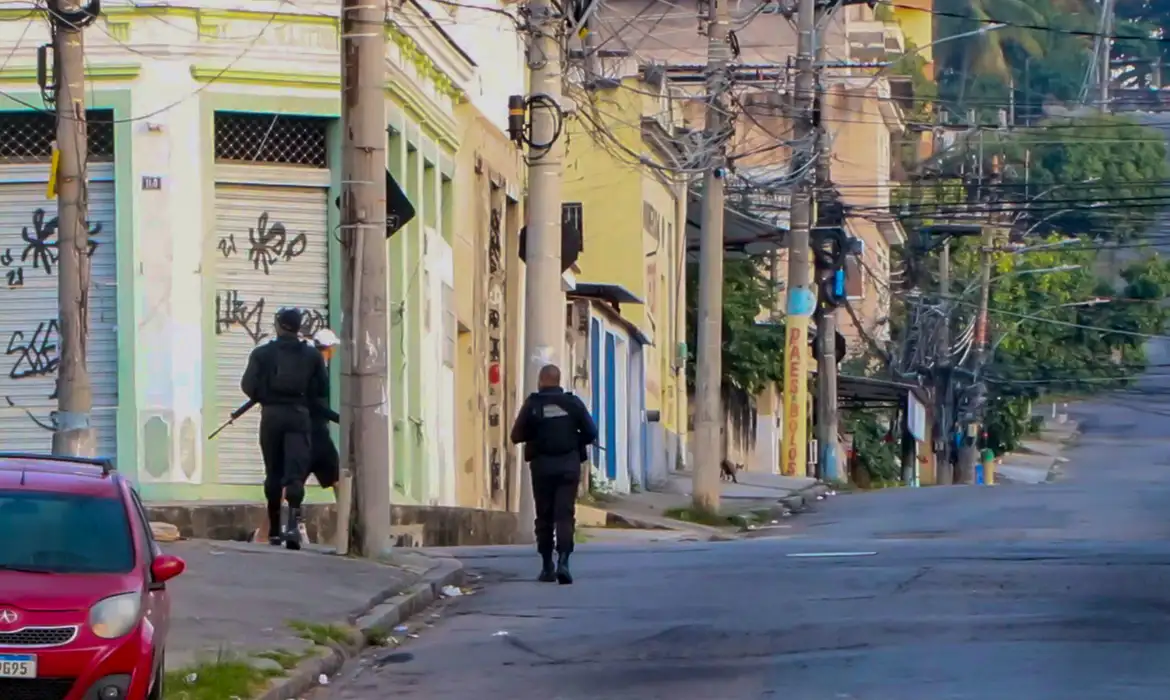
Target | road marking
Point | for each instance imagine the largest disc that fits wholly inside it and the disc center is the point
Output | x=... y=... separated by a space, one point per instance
x=813 y=555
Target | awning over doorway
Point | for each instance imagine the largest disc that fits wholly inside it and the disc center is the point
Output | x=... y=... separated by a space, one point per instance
x=868 y=392
x=743 y=233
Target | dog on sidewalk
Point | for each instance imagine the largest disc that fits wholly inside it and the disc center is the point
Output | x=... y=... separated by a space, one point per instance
x=727 y=470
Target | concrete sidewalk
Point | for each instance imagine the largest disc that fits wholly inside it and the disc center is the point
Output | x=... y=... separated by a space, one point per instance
x=755 y=493
x=309 y=609
x=1039 y=458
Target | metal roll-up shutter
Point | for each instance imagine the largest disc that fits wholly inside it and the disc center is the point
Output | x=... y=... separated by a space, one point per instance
x=272 y=251
x=28 y=308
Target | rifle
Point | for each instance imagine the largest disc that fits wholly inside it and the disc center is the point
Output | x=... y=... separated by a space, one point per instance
x=234 y=417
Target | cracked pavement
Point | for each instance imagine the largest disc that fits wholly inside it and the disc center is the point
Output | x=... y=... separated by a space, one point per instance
x=1055 y=591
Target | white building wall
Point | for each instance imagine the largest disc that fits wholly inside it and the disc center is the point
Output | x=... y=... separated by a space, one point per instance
x=171 y=223
x=168 y=130
x=492 y=42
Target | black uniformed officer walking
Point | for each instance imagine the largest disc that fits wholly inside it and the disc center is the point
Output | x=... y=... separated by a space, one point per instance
x=285 y=377
x=555 y=428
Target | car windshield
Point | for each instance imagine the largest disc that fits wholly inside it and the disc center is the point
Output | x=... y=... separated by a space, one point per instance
x=64 y=533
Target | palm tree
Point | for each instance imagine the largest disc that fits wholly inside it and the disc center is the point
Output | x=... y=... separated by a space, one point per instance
x=991 y=55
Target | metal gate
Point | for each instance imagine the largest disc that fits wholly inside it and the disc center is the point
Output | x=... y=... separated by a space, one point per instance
x=28 y=306
x=272 y=243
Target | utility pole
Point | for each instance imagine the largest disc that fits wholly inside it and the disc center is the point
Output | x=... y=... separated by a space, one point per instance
x=544 y=300
x=1105 y=71
x=705 y=488
x=801 y=301
x=827 y=464
x=73 y=434
x=944 y=472
x=969 y=454
x=365 y=410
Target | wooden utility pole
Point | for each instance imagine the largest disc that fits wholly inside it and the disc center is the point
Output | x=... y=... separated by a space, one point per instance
x=73 y=434
x=544 y=298
x=709 y=418
x=365 y=404
x=801 y=300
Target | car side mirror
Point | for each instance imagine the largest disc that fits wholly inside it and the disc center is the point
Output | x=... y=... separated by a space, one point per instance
x=164 y=568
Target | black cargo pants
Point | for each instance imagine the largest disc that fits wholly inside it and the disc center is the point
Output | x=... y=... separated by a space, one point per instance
x=285 y=446
x=555 y=494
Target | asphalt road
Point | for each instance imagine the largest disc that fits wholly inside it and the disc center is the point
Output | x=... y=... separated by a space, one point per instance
x=1055 y=591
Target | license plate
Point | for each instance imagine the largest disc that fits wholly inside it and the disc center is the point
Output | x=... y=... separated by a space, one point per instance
x=18 y=666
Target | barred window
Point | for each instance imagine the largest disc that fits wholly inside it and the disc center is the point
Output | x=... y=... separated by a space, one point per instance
x=246 y=137
x=27 y=136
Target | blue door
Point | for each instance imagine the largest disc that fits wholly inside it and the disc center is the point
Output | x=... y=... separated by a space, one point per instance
x=611 y=455
x=595 y=377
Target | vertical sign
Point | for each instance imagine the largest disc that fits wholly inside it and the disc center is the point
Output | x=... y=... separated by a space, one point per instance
x=495 y=340
x=794 y=458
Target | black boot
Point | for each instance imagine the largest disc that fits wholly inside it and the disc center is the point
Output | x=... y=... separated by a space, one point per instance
x=292 y=531
x=563 y=575
x=275 y=536
x=548 y=572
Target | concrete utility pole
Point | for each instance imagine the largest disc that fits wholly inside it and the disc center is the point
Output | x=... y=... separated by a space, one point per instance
x=944 y=472
x=828 y=464
x=544 y=299
x=801 y=301
x=970 y=452
x=73 y=434
x=709 y=356
x=365 y=410
x=1105 y=72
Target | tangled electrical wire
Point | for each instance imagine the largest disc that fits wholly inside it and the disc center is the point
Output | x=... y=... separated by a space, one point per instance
x=524 y=108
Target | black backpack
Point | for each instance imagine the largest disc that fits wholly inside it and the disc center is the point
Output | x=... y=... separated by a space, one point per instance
x=557 y=434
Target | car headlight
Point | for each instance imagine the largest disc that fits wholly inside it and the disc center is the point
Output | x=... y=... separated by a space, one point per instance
x=115 y=616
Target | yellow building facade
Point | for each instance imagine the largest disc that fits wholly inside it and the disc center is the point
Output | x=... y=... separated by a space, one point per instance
x=632 y=271
x=488 y=303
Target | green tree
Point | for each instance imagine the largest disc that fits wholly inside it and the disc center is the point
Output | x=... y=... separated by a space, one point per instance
x=1062 y=332
x=1106 y=175
x=1136 y=22
x=981 y=72
x=753 y=352
x=986 y=54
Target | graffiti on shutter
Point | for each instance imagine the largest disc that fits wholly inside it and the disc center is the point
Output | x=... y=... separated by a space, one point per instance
x=269 y=245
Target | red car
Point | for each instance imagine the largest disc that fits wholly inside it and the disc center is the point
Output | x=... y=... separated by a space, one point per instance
x=84 y=608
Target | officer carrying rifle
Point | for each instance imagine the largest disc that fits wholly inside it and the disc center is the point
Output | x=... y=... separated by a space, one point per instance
x=287 y=378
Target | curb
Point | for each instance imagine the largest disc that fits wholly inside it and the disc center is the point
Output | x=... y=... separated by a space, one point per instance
x=801 y=499
x=794 y=503
x=380 y=618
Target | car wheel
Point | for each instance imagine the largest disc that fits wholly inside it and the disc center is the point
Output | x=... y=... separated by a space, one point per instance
x=156 y=690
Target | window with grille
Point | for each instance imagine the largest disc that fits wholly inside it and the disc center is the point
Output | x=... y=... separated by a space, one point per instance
x=28 y=136
x=247 y=137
